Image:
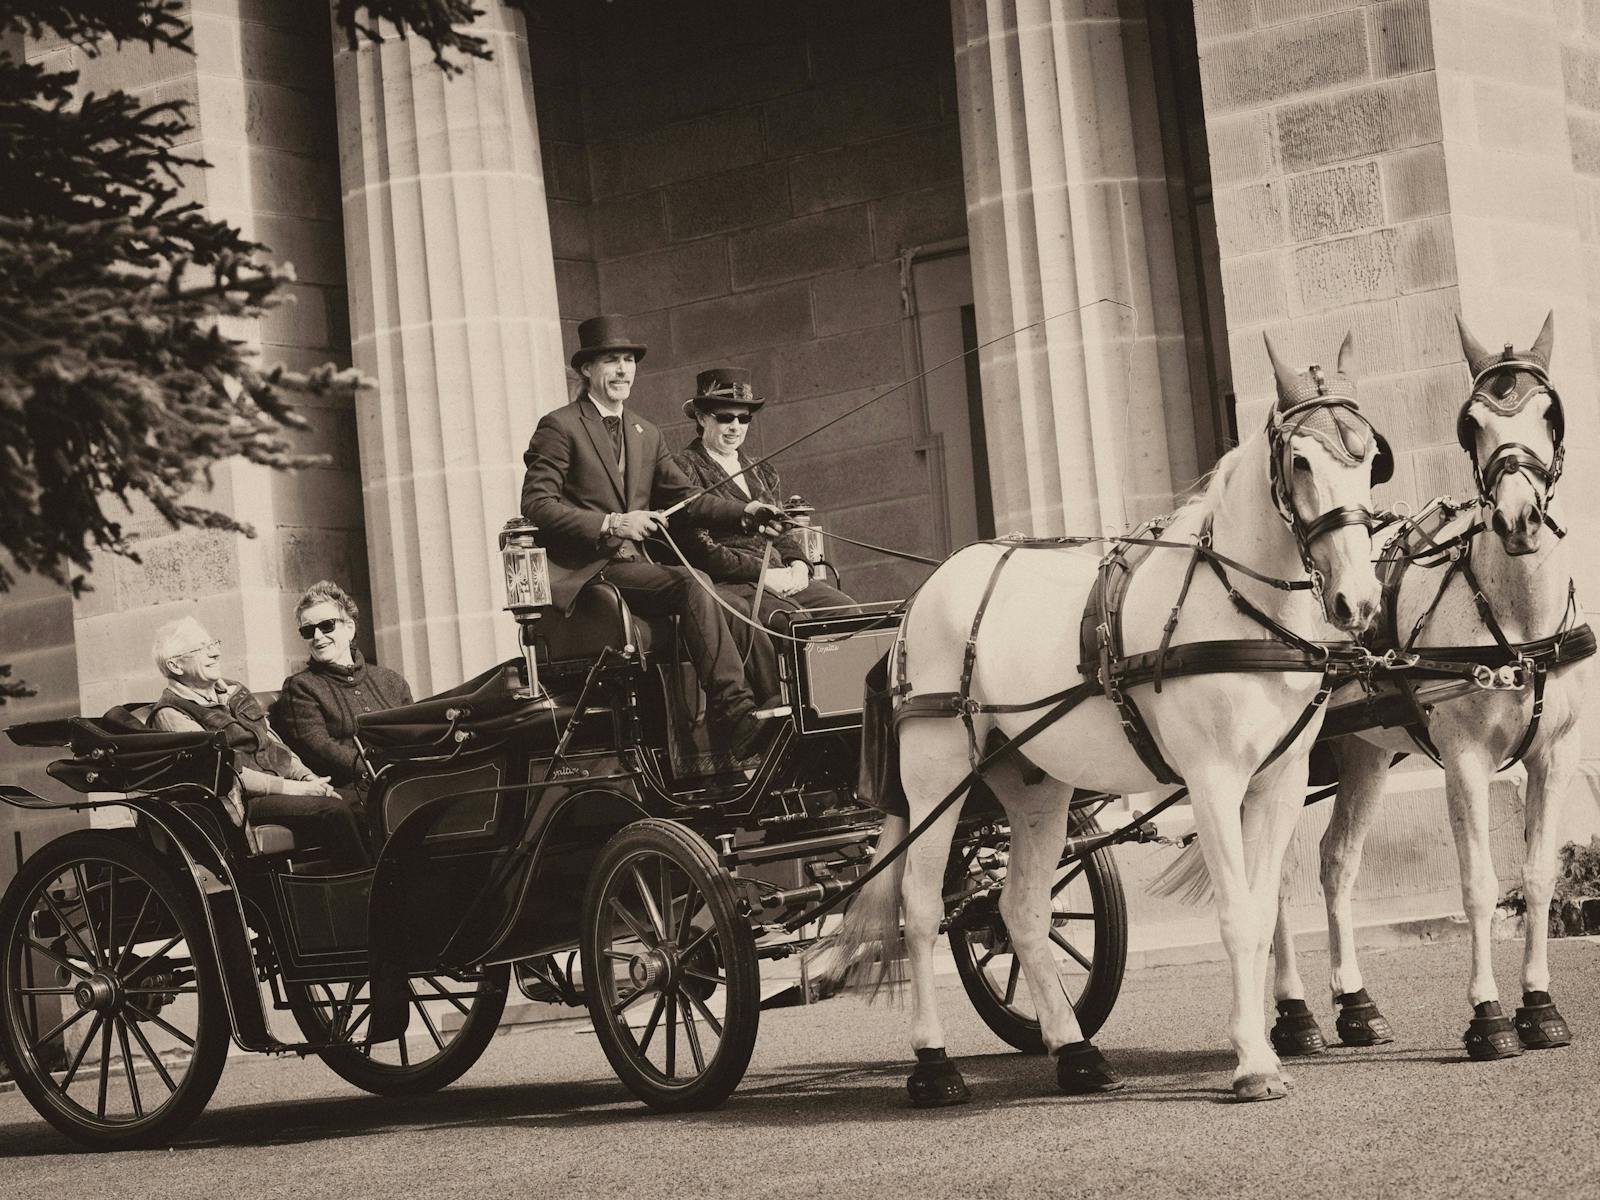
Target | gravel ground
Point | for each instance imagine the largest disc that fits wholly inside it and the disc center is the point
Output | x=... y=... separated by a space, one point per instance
x=823 y=1110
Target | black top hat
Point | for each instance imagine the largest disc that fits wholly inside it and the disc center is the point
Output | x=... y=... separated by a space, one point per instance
x=721 y=386
x=601 y=335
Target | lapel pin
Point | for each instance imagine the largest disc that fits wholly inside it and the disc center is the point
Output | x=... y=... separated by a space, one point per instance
x=638 y=428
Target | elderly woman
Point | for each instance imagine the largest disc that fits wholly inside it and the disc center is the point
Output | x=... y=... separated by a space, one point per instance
x=723 y=406
x=320 y=704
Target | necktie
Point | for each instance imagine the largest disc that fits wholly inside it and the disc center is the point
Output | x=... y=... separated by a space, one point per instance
x=614 y=428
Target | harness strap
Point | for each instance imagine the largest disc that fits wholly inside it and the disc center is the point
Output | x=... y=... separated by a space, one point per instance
x=1172 y=618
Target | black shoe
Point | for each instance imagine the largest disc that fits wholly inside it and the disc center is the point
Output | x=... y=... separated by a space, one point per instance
x=747 y=736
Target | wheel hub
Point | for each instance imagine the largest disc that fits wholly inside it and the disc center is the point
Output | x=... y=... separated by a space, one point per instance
x=652 y=968
x=99 y=992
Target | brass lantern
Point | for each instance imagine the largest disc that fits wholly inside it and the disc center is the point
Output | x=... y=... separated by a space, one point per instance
x=527 y=570
x=808 y=535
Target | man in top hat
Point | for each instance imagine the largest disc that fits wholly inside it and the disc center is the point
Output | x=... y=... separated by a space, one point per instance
x=597 y=476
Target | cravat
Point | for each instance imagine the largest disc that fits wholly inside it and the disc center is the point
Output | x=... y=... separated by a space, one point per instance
x=614 y=428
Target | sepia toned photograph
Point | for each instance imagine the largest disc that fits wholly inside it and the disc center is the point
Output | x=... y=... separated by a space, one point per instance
x=752 y=598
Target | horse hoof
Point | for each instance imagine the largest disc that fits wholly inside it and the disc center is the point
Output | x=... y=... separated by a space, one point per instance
x=935 y=1082
x=1539 y=1025
x=1359 y=1023
x=1250 y=1088
x=1295 y=1033
x=1081 y=1070
x=1490 y=1036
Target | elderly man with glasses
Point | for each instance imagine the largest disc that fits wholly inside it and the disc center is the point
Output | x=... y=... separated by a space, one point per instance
x=273 y=785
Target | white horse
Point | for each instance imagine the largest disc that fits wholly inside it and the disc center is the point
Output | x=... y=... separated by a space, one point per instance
x=1314 y=464
x=1511 y=424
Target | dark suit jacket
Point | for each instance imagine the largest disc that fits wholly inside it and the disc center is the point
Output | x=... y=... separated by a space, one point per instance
x=572 y=482
x=733 y=557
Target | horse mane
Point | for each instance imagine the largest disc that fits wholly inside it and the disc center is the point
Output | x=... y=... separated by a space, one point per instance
x=1206 y=493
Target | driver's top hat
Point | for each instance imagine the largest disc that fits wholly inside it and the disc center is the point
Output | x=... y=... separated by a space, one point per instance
x=601 y=335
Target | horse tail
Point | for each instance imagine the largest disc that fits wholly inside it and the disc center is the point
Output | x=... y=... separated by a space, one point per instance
x=1186 y=879
x=868 y=949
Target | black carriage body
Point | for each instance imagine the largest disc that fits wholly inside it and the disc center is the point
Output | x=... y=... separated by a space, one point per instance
x=488 y=824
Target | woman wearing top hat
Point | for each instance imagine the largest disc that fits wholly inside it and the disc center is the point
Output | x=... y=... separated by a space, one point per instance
x=723 y=407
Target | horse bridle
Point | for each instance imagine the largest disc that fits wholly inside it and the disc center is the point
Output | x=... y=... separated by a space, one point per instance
x=1281 y=431
x=1514 y=457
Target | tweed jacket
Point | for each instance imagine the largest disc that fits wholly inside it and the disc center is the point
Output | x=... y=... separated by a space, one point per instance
x=319 y=707
x=733 y=557
x=572 y=482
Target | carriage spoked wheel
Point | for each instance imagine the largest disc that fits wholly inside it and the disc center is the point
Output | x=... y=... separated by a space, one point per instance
x=112 y=1017
x=1088 y=935
x=453 y=1018
x=669 y=967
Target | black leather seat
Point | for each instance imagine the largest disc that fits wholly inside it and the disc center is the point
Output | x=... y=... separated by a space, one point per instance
x=599 y=618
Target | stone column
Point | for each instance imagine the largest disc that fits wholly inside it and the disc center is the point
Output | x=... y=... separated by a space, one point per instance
x=453 y=316
x=1066 y=204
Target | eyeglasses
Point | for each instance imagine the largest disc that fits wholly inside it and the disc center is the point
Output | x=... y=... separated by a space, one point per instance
x=203 y=648
x=324 y=627
x=729 y=418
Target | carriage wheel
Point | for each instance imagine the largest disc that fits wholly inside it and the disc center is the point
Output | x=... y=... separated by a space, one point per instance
x=453 y=1018
x=1089 y=934
x=669 y=967
x=112 y=1016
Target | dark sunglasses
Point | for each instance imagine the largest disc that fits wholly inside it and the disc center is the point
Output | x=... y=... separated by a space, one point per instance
x=729 y=418
x=328 y=626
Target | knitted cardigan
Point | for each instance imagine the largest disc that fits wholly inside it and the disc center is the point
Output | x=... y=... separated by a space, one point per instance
x=319 y=707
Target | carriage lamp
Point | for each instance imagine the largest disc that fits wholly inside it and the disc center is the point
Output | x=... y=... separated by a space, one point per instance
x=808 y=535
x=527 y=591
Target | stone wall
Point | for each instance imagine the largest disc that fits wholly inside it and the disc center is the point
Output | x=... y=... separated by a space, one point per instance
x=751 y=176
x=1333 y=210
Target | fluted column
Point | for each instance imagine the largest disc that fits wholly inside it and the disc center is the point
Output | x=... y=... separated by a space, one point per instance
x=453 y=315
x=1065 y=205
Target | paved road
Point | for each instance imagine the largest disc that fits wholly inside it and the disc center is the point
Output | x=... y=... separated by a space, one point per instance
x=822 y=1112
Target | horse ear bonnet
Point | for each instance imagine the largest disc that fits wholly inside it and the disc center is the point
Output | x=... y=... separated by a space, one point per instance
x=1338 y=426
x=1494 y=384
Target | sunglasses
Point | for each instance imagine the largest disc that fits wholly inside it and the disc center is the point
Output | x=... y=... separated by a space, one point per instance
x=729 y=418
x=324 y=627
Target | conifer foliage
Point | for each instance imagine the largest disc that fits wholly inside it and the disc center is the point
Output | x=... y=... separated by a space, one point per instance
x=116 y=378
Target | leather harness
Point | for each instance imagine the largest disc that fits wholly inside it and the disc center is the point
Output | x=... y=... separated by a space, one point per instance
x=1110 y=672
x=1514 y=663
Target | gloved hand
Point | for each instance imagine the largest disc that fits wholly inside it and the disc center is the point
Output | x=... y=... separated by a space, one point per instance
x=767 y=519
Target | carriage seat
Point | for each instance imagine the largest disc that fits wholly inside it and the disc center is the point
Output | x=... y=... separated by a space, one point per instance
x=599 y=618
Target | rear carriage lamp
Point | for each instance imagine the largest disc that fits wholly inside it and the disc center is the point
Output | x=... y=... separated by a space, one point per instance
x=808 y=535
x=527 y=592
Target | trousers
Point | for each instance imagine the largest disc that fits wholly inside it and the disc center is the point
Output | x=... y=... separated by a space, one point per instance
x=651 y=589
x=328 y=821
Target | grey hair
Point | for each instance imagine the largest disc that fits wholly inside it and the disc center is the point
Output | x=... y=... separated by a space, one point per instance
x=169 y=641
x=325 y=591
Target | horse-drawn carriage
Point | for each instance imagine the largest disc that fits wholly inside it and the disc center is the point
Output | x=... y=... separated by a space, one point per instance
x=570 y=837
x=554 y=821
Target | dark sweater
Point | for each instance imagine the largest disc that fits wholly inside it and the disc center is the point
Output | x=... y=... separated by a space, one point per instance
x=320 y=705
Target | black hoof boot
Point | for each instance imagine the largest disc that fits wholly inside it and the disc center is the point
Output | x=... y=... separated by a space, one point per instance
x=935 y=1082
x=1490 y=1036
x=1295 y=1033
x=1539 y=1025
x=1359 y=1022
x=1081 y=1070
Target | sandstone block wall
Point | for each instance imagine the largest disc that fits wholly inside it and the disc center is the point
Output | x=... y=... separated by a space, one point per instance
x=741 y=181
x=1332 y=202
